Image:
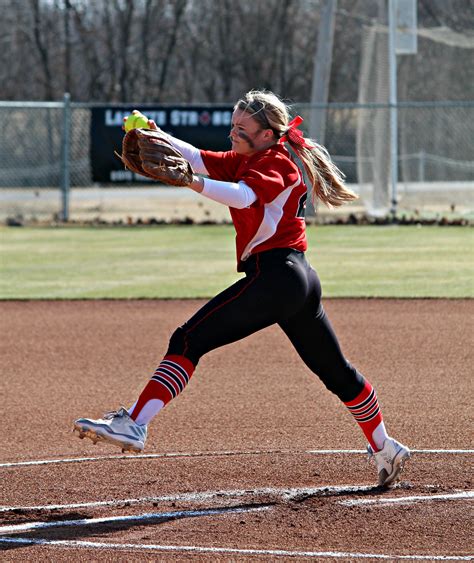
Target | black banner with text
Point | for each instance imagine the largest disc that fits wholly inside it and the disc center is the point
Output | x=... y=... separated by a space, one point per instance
x=203 y=127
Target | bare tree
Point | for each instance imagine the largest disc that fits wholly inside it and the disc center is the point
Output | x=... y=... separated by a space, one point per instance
x=42 y=46
x=124 y=19
x=179 y=7
x=89 y=64
x=202 y=50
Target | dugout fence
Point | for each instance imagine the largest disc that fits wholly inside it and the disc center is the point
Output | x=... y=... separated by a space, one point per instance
x=45 y=163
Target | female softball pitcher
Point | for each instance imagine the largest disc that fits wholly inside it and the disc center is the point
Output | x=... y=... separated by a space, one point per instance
x=263 y=187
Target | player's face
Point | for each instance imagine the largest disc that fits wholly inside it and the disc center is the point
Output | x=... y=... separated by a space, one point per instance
x=247 y=136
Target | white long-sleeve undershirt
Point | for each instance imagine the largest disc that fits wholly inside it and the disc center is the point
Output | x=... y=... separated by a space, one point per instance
x=190 y=153
x=232 y=194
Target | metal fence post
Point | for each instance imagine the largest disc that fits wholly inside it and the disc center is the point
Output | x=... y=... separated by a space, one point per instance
x=392 y=20
x=421 y=166
x=66 y=157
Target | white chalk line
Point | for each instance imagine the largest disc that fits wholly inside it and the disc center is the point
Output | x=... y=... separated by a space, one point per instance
x=285 y=494
x=29 y=526
x=408 y=500
x=229 y=550
x=166 y=455
x=132 y=457
x=281 y=493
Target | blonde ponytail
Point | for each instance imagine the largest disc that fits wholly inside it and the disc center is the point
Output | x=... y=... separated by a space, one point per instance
x=326 y=180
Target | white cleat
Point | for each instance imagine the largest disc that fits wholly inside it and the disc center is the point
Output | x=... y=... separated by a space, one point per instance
x=389 y=461
x=117 y=427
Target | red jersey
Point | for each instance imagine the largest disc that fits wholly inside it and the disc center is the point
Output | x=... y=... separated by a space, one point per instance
x=276 y=218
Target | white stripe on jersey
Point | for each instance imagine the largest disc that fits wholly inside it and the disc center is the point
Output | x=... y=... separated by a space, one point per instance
x=272 y=214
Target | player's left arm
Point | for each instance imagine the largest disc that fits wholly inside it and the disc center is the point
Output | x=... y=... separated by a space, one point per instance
x=232 y=194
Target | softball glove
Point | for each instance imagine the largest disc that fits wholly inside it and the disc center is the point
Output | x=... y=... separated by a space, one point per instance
x=149 y=153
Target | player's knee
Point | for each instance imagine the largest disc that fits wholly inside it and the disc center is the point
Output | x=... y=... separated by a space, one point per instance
x=177 y=342
x=182 y=343
x=346 y=384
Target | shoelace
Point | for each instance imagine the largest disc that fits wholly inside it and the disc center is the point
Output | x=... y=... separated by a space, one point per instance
x=112 y=414
x=120 y=414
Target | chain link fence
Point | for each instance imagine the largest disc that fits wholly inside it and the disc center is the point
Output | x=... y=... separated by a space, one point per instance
x=45 y=170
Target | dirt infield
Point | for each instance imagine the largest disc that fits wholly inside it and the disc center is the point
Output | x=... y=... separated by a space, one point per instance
x=255 y=460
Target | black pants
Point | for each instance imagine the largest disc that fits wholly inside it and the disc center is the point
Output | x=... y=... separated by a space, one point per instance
x=279 y=287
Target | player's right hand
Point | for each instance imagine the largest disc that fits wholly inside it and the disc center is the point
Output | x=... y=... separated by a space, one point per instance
x=152 y=125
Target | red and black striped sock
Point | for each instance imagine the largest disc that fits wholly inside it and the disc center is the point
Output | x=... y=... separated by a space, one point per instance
x=169 y=379
x=366 y=411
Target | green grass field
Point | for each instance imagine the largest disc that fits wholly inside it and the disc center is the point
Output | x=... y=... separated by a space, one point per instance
x=199 y=261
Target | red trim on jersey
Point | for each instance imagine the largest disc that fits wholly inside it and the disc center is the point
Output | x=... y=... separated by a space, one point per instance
x=271 y=221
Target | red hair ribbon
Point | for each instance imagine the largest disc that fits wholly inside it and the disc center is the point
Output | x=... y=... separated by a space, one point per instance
x=294 y=134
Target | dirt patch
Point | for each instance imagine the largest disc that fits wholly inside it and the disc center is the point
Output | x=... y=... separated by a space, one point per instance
x=248 y=430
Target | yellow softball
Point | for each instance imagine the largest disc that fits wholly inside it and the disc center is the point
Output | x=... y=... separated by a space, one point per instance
x=136 y=121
